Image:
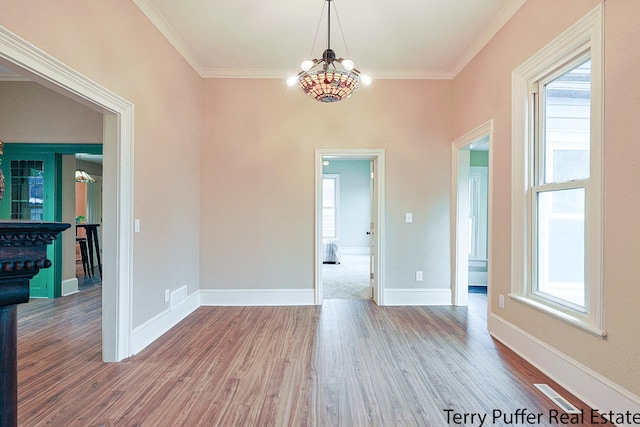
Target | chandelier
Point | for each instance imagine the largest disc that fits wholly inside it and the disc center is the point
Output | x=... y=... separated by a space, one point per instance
x=322 y=80
x=81 y=174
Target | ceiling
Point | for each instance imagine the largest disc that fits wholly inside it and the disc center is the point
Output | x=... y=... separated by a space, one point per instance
x=386 y=39
x=408 y=39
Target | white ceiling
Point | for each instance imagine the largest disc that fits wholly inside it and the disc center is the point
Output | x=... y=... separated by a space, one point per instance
x=386 y=39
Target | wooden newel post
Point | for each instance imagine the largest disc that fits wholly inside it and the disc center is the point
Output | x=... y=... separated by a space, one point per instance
x=23 y=252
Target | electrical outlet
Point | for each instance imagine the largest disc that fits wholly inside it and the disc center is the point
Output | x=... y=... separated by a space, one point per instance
x=167 y=295
x=408 y=217
x=501 y=301
x=418 y=276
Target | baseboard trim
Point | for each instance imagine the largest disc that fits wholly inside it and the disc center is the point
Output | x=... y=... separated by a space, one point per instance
x=69 y=287
x=424 y=296
x=587 y=385
x=155 y=327
x=257 y=297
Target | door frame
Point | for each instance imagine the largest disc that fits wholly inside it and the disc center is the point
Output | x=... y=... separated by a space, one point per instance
x=378 y=156
x=118 y=137
x=460 y=211
x=460 y=204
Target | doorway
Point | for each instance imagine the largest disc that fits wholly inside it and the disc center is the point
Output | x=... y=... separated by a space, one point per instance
x=471 y=210
x=346 y=229
x=118 y=114
x=362 y=245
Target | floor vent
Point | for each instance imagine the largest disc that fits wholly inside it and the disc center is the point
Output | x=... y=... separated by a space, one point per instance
x=178 y=296
x=557 y=399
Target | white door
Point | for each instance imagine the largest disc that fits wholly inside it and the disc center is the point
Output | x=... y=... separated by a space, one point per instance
x=372 y=227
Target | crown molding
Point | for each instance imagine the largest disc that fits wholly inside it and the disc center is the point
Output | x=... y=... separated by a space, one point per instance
x=504 y=15
x=276 y=73
x=169 y=33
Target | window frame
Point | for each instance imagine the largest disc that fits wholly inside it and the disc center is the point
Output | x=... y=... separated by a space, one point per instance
x=581 y=41
x=336 y=205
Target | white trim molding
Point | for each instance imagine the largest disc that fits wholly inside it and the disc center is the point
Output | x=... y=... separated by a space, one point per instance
x=155 y=327
x=256 y=297
x=42 y=68
x=69 y=287
x=459 y=228
x=417 y=296
x=583 y=39
x=587 y=385
x=377 y=156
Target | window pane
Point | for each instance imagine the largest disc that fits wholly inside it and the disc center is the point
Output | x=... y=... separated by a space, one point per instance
x=329 y=204
x=328 y=192
x=560 y=245
x=328 y=222
x=567 y=113
x=27 y=189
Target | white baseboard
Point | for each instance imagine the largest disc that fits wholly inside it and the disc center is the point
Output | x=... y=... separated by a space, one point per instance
x=255 y=297
x=587 y=385
x=409 y=296
x=152 y=329
x=69 y=286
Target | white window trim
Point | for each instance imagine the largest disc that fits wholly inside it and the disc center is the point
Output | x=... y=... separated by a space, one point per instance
x=586 y=34
x=336 y=179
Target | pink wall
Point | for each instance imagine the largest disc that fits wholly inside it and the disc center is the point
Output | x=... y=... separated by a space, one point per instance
x=258 y=178
x=224 y=168
x=483 y=91
x=115 y=45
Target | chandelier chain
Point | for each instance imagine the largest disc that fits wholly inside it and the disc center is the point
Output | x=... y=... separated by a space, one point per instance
x=344 y=40
x=321 y=78
x=317 y=31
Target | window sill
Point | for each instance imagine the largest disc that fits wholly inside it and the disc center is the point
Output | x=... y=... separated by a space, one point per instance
x=561 y=315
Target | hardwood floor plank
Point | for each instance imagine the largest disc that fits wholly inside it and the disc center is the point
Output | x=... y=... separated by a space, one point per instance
x=346 y=363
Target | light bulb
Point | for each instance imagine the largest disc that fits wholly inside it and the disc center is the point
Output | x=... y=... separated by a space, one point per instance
x=365 y=79
x=347 y=64
x=292 y=81
x=306 y=65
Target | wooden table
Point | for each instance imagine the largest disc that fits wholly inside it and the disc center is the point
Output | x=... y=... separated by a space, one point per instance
x=92 y=243
x=23 y=252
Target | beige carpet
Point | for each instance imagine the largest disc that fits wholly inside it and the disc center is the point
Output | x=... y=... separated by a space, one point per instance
x=347 y=280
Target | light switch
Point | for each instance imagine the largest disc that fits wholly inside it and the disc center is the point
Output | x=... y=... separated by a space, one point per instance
x=137 y=225
x=408 y=217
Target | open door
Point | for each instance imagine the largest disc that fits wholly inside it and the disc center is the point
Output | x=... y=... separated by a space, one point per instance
x=376 y=228
x=372 y=229
x=467 y=218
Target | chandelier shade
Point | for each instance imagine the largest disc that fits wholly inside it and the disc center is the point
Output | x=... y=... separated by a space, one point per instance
x=321 y=78
x=82 y=176
x=329 y=86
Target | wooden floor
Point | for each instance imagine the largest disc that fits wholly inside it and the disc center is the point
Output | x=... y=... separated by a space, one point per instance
x=346 y=363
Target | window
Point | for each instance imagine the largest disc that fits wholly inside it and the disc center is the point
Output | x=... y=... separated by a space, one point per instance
x=330 y=199
x=561 y=140
x=557 y=177
x=27 y=189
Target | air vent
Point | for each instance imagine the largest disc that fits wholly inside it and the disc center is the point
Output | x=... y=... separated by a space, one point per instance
x=178 y=296
x=563 y=403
